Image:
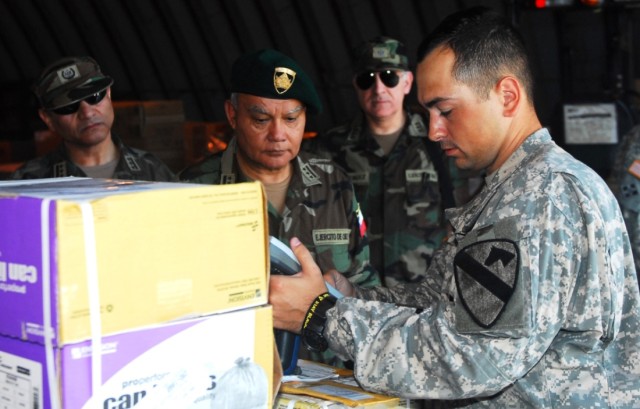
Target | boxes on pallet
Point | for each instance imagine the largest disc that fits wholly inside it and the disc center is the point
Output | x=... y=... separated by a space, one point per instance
x=193 y=364
x=80 y=256
x=154 y=126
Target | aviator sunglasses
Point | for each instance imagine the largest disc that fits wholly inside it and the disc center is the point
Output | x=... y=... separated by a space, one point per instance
x=72 y=108
x=366 y=79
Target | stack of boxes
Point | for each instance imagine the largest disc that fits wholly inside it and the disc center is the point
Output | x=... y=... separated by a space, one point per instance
x=153 y=126
x=120 y=294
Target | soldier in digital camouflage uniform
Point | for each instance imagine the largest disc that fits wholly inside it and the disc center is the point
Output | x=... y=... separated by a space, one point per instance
x=308 y=197
x=625 y=183
x=75 y=103
x=401 y=179
x=533 y=302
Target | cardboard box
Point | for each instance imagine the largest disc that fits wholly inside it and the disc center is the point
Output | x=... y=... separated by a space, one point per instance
x=192 y=364
x=153 y=126
x=83 y=257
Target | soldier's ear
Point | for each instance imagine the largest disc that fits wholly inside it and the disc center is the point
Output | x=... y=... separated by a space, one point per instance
x=509 y=91
x=231 y=112
x=44 y=115
x=408 y=82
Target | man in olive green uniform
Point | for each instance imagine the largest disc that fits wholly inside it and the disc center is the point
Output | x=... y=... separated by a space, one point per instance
x=625 y=184
x=309 y=197
x=401 y=178
x=75 y=103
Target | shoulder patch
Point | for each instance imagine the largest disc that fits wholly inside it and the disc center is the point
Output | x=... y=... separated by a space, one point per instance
x=417 y=126
x=60 y=169
x=309 y=176
x=629 y=195
x=132 y=163
x=486 y=274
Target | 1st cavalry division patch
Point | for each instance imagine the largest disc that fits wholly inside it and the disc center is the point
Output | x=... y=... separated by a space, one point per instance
x=486 y=273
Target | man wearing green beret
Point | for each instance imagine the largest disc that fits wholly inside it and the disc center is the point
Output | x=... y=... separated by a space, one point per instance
x=309 y=197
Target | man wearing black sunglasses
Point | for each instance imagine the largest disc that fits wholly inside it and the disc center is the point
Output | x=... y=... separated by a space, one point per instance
x=74 y=98
x=400 y=176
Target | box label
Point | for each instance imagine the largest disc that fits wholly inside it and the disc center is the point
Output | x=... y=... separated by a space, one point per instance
x=20 y=382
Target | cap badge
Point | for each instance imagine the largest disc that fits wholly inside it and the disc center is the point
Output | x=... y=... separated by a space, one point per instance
x=381 y=52
x=283 y=79
x=67 y=73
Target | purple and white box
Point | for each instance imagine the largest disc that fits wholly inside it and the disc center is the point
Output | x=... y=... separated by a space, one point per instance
x=192 y=364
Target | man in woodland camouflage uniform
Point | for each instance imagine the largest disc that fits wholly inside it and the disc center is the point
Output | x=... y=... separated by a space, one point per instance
x=400 y=176
x=533 y=301
x=75 y=103
x=309 y=197
x=625 y=184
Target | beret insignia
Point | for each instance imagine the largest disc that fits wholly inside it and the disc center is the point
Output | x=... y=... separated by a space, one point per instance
x=283 y=79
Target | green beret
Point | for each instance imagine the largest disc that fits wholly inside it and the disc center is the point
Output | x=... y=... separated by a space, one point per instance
x=271 y=74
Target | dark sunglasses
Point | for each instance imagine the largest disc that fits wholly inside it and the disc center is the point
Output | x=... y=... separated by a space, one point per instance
x=366 y=79
x=72 y=108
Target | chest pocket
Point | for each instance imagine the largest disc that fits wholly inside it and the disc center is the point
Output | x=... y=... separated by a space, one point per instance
x=493 y=287
x=421 y=186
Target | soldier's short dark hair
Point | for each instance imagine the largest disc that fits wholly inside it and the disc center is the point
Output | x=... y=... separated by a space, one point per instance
x=486 y=46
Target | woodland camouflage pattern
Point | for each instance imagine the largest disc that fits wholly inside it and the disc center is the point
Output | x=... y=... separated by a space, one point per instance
x=320 y=209
x=626 y=187
x=134 y=164
x=567 y=329
x=400 y=195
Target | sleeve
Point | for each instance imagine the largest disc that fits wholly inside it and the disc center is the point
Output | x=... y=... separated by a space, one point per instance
x=444 y=348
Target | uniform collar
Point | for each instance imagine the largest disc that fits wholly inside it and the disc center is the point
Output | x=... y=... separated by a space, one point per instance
x=519 y=157
x=463 y=218
x=230 y=172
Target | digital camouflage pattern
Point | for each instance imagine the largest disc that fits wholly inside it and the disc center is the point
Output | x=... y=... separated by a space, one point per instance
x=566 y=330
x=402 y=195
x=320 y=209
x=134 y=164
x=625 y=184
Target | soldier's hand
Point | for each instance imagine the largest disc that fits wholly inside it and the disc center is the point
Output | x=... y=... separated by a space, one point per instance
x=291 y=296
x=340 y=282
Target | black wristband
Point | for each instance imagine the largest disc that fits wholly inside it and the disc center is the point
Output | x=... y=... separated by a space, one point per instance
x=314 y=323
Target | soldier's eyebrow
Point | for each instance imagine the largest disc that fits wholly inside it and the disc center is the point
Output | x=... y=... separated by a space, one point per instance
x=257 y=109
x=434 y=101
x=296 y=109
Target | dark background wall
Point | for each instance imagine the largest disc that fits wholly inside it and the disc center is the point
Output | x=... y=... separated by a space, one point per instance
x=183 y=49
